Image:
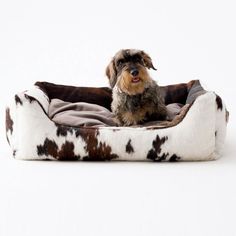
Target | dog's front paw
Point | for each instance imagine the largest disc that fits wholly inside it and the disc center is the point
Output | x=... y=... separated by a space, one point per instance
x=129 y=119
x=125 y=121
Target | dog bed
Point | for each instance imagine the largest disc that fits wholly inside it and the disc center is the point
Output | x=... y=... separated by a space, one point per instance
x=59 y=122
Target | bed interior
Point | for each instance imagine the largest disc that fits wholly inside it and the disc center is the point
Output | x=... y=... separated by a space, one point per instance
x=88 y=106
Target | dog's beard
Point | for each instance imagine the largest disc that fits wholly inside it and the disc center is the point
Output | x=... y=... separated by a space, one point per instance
x=133 y=85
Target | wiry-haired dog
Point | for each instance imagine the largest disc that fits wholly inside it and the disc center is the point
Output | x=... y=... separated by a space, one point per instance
x=136 y=97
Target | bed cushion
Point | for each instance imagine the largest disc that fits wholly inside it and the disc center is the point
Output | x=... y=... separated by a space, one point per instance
x=79 y=114
x=59 y=122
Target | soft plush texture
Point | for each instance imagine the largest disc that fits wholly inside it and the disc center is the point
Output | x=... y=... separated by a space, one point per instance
x=58 y=122
x=79 y=114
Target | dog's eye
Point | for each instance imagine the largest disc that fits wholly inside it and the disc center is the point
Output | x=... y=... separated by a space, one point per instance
x=120 y=62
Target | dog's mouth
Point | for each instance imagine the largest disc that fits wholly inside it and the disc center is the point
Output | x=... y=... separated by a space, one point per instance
x=135 y=80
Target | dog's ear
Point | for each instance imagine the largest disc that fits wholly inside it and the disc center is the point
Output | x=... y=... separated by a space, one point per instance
x=111 y=73
x=147 y=60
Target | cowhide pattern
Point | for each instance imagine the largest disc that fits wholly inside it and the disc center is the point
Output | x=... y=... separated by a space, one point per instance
x=197 y=135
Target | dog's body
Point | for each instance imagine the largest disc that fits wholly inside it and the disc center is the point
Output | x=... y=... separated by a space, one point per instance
x=136 y=97
x=136 y=109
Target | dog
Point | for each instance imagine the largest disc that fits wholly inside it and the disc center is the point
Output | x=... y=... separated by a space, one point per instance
x=136 y=97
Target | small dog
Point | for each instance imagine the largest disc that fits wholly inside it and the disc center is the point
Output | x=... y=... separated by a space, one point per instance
x=136 y=97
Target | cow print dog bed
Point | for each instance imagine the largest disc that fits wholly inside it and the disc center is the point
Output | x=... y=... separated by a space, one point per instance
x=58 y=122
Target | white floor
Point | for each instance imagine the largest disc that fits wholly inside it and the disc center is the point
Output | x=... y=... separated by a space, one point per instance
x=70 y=42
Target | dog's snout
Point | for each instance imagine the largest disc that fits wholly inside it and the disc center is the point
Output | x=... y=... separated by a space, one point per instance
x=134 y=72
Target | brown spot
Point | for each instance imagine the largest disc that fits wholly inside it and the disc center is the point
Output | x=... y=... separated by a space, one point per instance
x=14 y=153
x=115 y=130
x=162 y=157
x=129 y=148
x=9 y=121
x=226 y=116
x=51 y=148
x=219 y=102
x=29 y=98
x=18 y=100
x=67 y=152
x=97 y=151
x=63 y=130
x=152 y=155
x=174 y=158
x=156 y=149
x=215 y=133
x=7 y=139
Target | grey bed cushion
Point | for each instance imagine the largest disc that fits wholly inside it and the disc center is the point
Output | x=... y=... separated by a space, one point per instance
x=79 y=114
x=87 y=114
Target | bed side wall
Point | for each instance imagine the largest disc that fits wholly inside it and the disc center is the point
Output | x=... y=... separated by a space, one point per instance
x=222 y=118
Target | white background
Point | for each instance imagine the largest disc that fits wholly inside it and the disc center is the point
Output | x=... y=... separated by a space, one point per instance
x=71 y=42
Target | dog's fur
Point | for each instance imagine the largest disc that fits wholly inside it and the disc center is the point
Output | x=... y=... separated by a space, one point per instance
x=136 y=97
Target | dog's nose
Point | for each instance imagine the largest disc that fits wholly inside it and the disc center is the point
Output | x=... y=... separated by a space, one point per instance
x=134 y=72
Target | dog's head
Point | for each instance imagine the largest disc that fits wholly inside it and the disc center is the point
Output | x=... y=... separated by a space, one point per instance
x=128 y=71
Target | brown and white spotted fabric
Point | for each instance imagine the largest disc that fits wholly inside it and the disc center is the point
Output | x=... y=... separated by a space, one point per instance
x=195 y=132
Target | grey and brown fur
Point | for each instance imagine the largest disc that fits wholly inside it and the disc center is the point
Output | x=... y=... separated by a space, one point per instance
x=136 y=97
